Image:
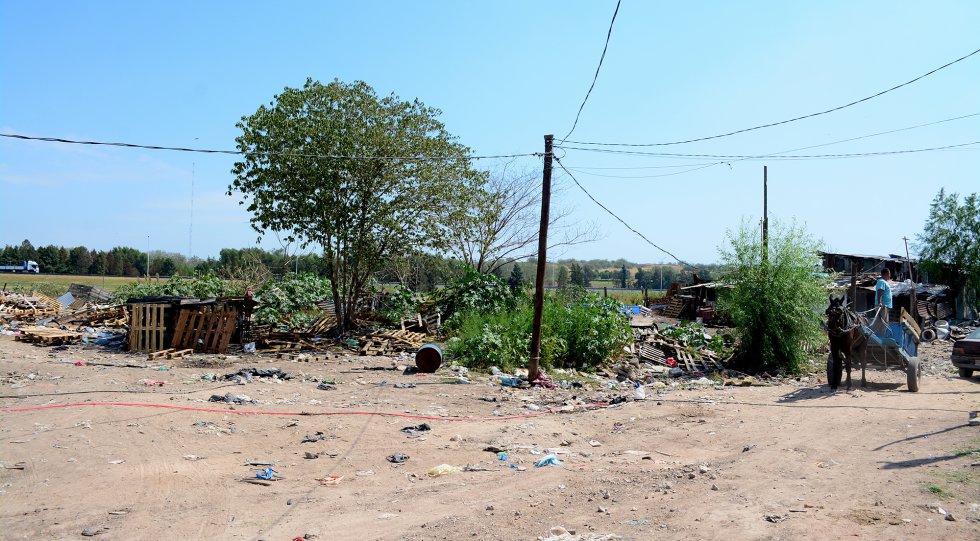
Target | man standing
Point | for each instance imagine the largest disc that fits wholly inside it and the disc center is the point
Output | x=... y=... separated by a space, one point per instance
x=883 y=294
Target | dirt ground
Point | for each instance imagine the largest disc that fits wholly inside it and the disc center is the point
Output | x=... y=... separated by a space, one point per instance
x=785 y=461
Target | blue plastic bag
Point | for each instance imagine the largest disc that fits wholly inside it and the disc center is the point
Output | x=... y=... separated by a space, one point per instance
x=548 y=460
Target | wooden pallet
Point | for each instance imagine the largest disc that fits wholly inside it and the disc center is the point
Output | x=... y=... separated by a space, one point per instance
x=208 y=332
x=675 y=307
x=651 y=353
x=691 y=363
x=374 y=347
x=146 y=327
x=158 y=354
x=406 y=338
x=49 y=337
x=180 y=354
x=322 y=325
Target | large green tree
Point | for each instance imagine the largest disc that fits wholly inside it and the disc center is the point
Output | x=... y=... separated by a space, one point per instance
x=775 y=302
x=359 y=175
x=949 y=245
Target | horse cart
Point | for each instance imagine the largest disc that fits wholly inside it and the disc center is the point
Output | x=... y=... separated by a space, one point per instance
x=895 y=343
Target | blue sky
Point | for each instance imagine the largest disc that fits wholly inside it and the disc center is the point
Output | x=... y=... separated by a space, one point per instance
x=504 y=74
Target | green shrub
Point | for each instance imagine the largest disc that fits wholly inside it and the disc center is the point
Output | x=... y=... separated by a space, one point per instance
x=204 y=286
x=398 y=303
x=291 y=300
x=578 y=329
x=476 y=291
x=776 y=304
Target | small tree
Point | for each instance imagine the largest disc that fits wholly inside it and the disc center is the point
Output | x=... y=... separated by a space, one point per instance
x=623 y=277
x=775 y=302
x=563 y=277
x=516 y=280
x=502 y=222
x=642 y=278
x=576 y=276
x=951 y=239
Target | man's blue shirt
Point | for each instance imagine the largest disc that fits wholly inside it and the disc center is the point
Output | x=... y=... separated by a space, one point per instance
x=886 y=293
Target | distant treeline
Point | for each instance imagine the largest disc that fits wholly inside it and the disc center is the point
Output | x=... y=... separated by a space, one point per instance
x=420 y=272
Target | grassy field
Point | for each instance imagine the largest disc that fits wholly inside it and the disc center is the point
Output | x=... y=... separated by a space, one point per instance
x=57 y=284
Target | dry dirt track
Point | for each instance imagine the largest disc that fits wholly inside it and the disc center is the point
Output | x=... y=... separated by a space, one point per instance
x=825 y=466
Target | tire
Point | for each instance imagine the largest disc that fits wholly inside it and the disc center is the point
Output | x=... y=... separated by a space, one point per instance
x=913 y=371
x=966 y=372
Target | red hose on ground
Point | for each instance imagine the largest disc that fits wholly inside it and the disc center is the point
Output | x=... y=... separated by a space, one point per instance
x=323 y=413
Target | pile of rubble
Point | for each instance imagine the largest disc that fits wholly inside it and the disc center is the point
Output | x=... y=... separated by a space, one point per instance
x=42 y=320
x=19 y=306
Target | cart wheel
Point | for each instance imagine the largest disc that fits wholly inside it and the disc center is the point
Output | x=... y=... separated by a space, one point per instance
x=830 y=372
x=966 y=372
x=913 y=371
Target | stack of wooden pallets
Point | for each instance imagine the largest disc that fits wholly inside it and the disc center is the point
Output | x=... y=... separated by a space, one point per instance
x=33 y=306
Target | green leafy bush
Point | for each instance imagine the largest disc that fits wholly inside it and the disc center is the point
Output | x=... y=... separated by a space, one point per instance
x=476 y=291
x=775 y=303
x=205 y=286
x=291 y=300
x=580 y=330
x=398 y=303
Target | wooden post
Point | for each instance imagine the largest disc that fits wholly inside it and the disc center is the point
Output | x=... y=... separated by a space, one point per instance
x=765 y=213
x=914 y=308
x=532 y=366
x=605 y=291
x=854 y=286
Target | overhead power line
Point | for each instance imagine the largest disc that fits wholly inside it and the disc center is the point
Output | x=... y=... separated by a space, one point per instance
x=260 y=153
x=787 y=121
x=771 y=156
x=584 y=170
x=596 y=77
x=613 y=214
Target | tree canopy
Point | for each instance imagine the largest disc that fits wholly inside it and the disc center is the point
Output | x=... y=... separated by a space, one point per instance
x=951 y=235
x=359 y=175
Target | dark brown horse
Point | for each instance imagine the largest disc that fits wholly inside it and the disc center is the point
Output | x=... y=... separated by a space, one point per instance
x=846 y=331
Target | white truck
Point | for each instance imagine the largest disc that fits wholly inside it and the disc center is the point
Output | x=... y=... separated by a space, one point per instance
x=25 y=266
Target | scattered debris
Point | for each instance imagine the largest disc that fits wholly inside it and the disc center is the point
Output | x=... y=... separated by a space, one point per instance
x=397 y=458
x=229 y=398
x=319 y=436
x=443 y=469
x=416 y=431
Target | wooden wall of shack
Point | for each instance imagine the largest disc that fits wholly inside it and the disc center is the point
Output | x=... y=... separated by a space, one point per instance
x=242 y=307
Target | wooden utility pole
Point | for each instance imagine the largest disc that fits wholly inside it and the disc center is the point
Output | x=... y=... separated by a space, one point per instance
x=765 y=213
x=914 y=308
x=854 y=286
x=532 y=366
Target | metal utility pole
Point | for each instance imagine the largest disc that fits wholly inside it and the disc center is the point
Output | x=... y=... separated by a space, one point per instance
x=532 y=366
x=765 y=213
x=147 y=257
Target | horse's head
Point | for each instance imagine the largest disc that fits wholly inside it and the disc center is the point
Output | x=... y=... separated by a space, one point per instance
x=836 y=315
